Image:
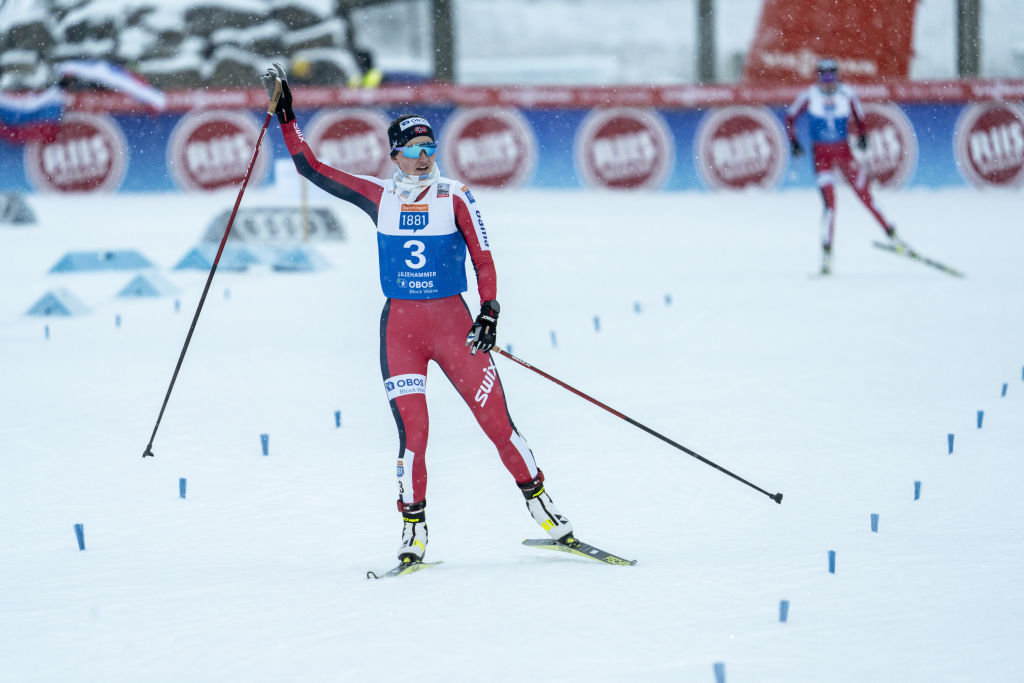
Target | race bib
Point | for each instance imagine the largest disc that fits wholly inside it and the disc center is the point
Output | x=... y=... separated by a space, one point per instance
x=414 y=217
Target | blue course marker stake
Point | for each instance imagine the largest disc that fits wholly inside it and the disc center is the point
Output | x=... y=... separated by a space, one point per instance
x=874 y=522
x=637 y=307
x=177 y=305
x=46 y=331
x=917 y=490
x=831 y=561
x=981 y=416
x=950 y=440
x=181 y=487
x=227 y=293
x=265 y=443
x=783 y=610
x=80 y=535
x=668 y=299
x=337 y=418
x=719 y=672
x=597 y=324
x=117 y=320
x=554 y=339
x=1004 y=389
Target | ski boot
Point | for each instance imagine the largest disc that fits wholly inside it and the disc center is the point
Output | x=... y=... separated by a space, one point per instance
x=898 y=245
x=540 y=505
x=826 y=259
x=414 y=531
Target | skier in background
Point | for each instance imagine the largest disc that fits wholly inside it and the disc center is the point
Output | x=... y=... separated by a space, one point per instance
x=830 y=105
x=425 y=224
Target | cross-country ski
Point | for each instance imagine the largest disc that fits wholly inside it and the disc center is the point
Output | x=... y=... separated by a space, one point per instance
x=915 y=256
x=402 y=569
x=576 y=547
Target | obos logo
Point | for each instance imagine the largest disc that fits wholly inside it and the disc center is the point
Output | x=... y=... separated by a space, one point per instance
x=739 y=148
x=891 y=156
x=351 y=139
x=624 y=149
x=490 y=147
x=403 y=385
x=211 y=149
x=88 y=156
x=989 y=144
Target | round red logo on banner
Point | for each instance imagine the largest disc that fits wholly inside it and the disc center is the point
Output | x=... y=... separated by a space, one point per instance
x=488 y=147
x=989 y=144
x=353 y=140
x=209 y=150
x=739 y=148
x=891 y=156
x=624 y=149
x=89 y=155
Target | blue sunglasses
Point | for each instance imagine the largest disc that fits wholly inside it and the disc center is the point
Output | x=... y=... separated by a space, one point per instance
x=414 y=151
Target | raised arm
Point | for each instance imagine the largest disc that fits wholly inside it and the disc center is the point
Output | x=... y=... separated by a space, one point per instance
x=362 y=191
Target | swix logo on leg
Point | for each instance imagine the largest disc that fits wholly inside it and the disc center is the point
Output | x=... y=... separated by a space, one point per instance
x=298 y=131
x=483 y=392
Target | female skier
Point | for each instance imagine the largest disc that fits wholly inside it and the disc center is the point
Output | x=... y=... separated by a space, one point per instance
x=425 y=225
x=830 y=104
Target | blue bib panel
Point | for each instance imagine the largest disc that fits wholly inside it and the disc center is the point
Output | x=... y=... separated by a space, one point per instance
x=828 y=129
x=422 y=267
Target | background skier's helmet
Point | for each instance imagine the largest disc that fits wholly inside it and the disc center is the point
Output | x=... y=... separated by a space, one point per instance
x=828 y=71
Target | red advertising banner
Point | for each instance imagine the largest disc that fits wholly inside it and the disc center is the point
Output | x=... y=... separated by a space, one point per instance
x=871 y=39
x=559 y=97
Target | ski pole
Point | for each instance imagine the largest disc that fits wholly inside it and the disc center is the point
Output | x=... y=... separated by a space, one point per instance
x=777 y=497
x=213 y=268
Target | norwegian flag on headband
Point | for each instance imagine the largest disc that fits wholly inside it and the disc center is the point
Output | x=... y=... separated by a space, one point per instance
x=421 y=130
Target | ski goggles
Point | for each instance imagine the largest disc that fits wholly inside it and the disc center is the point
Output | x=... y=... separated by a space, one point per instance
x=414 y=151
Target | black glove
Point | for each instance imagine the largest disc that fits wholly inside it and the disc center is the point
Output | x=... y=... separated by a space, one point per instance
x=483 y=334
x=796 y=148
x=862 y=141
x=284 y=103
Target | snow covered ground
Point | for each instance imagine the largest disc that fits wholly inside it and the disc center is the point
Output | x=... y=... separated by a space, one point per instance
x=837 y=392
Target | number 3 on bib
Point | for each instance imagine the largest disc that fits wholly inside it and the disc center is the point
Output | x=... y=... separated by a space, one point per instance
x=418 y=259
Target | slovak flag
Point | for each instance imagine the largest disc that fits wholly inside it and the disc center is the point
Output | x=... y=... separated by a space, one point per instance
x=114 y=77
x=31 y=117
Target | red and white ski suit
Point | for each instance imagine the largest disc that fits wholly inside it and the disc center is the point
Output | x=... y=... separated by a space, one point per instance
x=422 y=243
x=829 y=114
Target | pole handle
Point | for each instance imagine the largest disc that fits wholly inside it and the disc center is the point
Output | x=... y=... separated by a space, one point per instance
x=275 y=97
